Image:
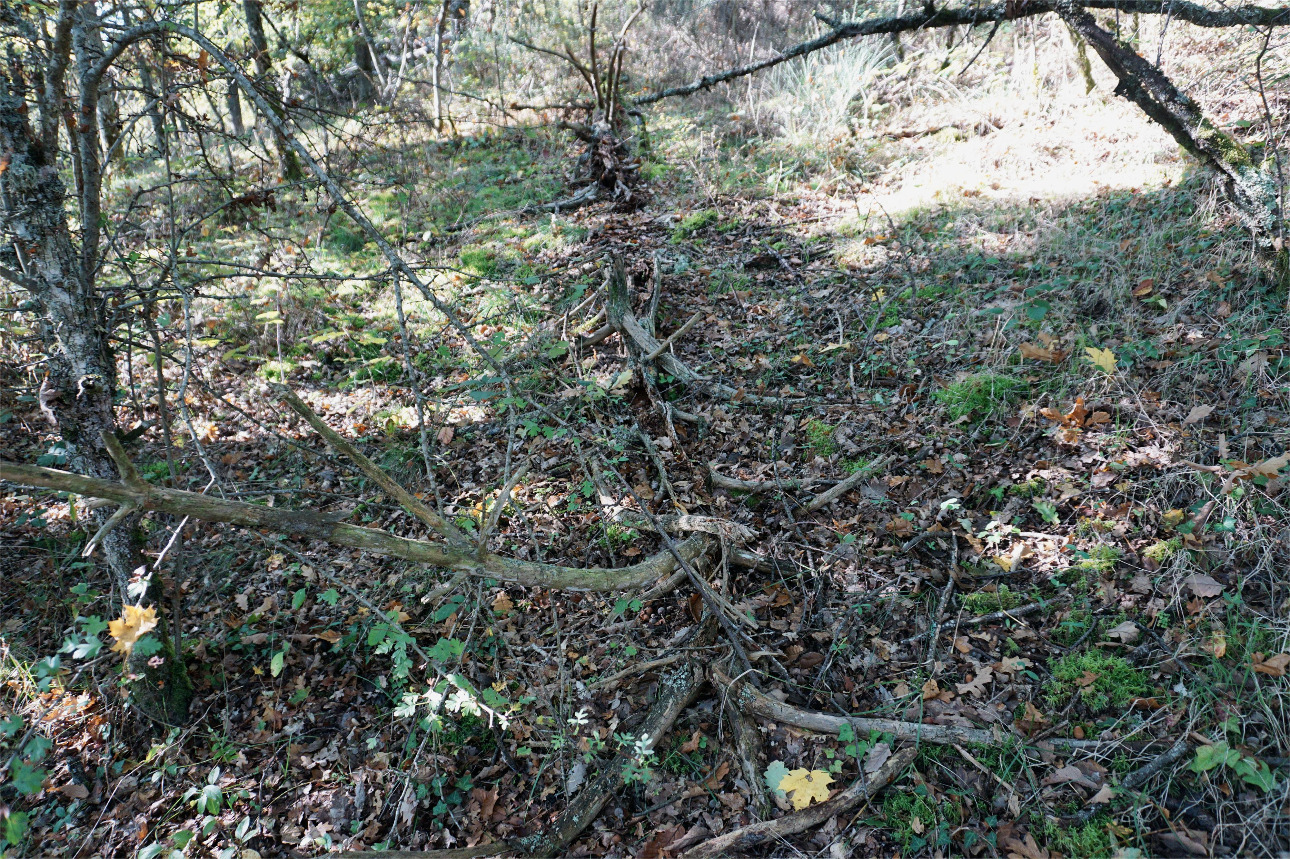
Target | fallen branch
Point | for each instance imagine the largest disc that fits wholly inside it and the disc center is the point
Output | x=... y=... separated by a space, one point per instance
x=405 y=498
x=747 y=838
x=676 y=692
x=830 y=495
x=316 y=525
x=762 y=706
x=1139 y=777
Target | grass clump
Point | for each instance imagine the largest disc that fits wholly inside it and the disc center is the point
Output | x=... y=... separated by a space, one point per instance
x=1002 y=598
x=1102 y=680
x=1090 y=841
x=981 y=395
x=480 y=262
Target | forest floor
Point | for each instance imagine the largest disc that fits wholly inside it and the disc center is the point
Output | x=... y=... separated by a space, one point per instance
x=1032 y=328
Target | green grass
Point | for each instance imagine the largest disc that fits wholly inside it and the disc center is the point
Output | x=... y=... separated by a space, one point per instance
x=981 y=395
x=1090 y=841
x=985 y=602
x=1101 y=680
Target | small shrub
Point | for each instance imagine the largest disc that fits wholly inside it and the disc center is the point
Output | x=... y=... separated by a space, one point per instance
x=981 y=395
x=1102 y=680
x=984 y=602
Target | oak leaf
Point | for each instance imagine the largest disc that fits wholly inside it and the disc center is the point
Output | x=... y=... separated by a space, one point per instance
x=1273 y=666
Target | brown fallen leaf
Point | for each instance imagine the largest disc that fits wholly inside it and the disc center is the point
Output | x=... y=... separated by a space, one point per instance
x=74 y=791
x=1198 y=414
x=1126 y=632
x=1069 y=774
x=1273 y=666
x=1037 y=353
x=977 y=685
x=1028 y=849
x=1203 y=586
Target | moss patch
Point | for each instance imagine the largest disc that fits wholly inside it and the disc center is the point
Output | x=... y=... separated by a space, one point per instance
x=1101 y=680
x=981 y=395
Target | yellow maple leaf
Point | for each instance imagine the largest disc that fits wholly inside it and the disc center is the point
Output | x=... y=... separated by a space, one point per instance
x=802 y=786
x=1103 y=359
x=135 y=622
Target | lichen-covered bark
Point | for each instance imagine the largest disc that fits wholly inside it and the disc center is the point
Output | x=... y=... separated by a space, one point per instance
x=1252 y=190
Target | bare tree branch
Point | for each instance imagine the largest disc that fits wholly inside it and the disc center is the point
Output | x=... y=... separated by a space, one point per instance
x=1183 y=10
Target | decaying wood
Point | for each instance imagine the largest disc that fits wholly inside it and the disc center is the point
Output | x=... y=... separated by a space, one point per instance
x=740 y=841
x=642 y=344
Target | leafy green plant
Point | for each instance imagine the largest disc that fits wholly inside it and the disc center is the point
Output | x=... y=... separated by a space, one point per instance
x=1250 y=770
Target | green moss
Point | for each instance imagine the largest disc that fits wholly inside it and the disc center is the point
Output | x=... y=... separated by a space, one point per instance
x=981 y=395
x=1090 y=841
x=1029 y=489
x=1102 y=680
x=481 y=262
x=984 y=602
x=819 y=437
x=1163 y=550
x=1100 y=559
x=694 y=222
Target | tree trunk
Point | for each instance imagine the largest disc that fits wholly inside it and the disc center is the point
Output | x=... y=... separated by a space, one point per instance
x=80 y=387
x=288 y=164
x=233 y=103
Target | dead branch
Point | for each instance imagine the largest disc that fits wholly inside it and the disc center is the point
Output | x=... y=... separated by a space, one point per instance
x=762 y=706
x=405 y=499
x=1139 y=777
x=747 y=838
x=316 y=525
x=929 y=17
x=830 y=495
x=676 y=692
